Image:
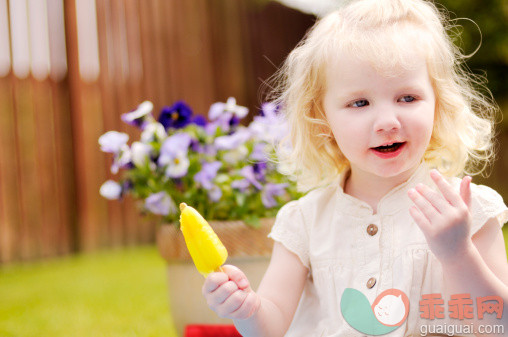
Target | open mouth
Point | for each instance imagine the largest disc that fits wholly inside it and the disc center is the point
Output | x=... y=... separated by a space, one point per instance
x=389 y=148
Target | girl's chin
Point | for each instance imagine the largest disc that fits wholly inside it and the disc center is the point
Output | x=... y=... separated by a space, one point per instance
x=402 y=172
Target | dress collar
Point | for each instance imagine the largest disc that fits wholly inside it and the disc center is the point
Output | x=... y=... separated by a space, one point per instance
x=392 y=202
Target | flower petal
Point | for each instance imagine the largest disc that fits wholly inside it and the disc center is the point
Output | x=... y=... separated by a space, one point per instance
x=111 y=190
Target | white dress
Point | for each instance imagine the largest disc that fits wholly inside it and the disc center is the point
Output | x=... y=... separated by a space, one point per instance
x=329 y=231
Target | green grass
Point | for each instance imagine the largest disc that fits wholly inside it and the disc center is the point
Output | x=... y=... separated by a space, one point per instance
x=113 y=293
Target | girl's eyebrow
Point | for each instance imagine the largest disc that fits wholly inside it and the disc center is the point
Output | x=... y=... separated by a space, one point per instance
x=413 y=87
x=352 y=94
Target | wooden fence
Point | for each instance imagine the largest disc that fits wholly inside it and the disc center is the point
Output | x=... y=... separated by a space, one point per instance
x=73 y=67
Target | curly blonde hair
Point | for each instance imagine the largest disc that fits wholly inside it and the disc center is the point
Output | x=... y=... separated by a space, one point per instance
x=385 y=33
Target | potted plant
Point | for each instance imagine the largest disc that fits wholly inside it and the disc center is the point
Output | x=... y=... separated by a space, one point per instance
x=226 y=170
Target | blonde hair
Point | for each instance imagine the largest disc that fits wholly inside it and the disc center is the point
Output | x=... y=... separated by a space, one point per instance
x=379 y=31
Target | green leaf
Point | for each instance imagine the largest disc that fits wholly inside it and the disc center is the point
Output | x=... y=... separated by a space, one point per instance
x=253 y=221
x=240 y=199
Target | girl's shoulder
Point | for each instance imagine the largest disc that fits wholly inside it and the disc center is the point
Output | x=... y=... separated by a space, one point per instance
x=317 y=199
x=309 y=207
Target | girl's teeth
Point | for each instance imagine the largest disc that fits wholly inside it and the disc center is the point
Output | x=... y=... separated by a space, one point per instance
x=389 y=148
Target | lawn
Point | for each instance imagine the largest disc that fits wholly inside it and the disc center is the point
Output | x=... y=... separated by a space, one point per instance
x=112 y=293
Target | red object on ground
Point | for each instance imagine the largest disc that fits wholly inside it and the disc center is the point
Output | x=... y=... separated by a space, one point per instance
x=206 y=330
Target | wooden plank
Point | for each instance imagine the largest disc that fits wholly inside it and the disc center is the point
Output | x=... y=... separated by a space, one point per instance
x=159 y=51
x=147 y=51
x=145 y=230
x=65 y=185
x=49 y=216
x=110 y=117
x=10 y=208
x=65 y=229
x=87 y=126
x=196 y=77
x=29 y=242
x=124 y=102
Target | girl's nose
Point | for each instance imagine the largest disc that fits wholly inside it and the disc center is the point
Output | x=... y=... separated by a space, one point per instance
x=386 y=121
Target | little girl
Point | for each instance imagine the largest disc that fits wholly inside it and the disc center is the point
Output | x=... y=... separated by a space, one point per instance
x=382 y=120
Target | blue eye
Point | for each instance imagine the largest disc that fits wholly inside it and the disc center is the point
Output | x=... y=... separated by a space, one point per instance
x=407 y=99
x=360 y=103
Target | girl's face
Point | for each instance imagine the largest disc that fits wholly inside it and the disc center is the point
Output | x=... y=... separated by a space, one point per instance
x=382 y=124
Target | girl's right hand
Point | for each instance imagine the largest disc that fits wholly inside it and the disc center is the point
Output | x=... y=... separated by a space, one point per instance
x=229 y=294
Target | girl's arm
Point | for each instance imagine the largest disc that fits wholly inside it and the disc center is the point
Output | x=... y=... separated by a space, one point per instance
x=476 y=265
x=267 y=312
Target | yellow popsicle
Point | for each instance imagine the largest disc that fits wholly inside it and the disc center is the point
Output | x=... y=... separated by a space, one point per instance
x=205 y=248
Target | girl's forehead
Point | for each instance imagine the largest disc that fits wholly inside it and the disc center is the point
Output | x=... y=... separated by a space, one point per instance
x=346 y=63
x=389 y=50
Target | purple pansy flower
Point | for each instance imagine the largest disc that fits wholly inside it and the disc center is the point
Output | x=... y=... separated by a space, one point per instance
x=176 y=116
x=270 y=126
x=214 y=193
x=207 y=173
x=173 y=153
x=113 y=141
x=259 y=169
x=141 y=116
x=259 y=152
x=270 y=191
x=227 y=115
x=240 y=184
x=160 y=203
x=127 y=185
x=199 y=120
x=234 y=140
x=248 y=173
x=173 y=147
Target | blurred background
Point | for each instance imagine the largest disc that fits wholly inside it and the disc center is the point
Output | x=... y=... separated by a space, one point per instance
x=70 y=68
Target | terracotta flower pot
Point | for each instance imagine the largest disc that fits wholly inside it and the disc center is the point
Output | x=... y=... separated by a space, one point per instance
x=248 y=248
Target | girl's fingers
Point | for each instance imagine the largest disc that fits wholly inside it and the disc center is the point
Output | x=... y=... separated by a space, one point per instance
x=214 y=281
x=231 y=304
x=435 y=199
x=420 y=219
x=465 y=190
x=446 y=189
x=237 y=276
x=423 y=205
x=249 y=306
x=221 y=294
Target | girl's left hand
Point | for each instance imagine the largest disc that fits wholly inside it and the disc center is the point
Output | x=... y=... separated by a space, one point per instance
x=443 y=217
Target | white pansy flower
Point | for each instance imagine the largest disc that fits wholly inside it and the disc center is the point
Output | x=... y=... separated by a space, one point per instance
x=219 y=108
x=122 y=159
x=154 y=132
x=236 y=155
x=140 y=116
x=111 y=190
x=140 y=153
x=178 y=166
x=113 y=141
